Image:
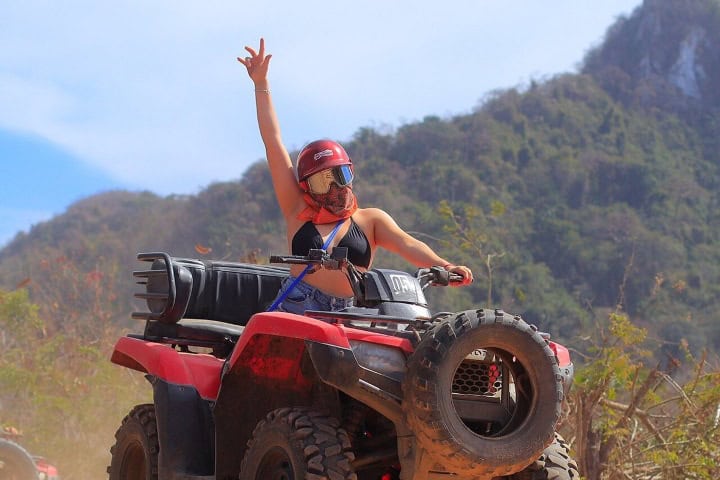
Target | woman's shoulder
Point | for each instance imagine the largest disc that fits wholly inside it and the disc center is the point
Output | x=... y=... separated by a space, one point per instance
x=370 y=212
x=373 y=217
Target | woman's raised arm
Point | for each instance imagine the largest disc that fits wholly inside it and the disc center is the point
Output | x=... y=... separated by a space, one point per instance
x=287 y=190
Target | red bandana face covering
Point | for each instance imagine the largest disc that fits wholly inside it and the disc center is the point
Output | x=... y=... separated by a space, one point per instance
x=337 y=204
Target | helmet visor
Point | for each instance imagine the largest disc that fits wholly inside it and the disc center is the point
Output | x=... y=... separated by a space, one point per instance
x=321 y=181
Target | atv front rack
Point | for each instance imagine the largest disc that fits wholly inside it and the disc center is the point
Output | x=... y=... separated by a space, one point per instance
x=387 y=324
x=337 y=316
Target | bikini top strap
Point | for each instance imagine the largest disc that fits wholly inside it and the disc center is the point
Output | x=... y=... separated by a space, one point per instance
x=280 y=299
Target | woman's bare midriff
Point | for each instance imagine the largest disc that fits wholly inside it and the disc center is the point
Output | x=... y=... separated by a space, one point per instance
x=331 y=282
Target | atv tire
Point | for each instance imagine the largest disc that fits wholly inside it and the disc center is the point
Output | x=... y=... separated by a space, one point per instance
x=555 y=462
x=136 y=449
x=428 y=399
x=298 y=444
x=15 y=462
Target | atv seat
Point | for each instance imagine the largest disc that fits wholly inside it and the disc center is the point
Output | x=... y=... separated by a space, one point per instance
x=227 y=292
x=220 y=337
x=220 y=328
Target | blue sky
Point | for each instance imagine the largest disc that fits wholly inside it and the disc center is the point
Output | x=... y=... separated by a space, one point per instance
x=144 y=95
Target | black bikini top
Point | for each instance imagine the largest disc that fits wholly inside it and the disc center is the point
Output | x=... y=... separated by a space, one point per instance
x=355 y=240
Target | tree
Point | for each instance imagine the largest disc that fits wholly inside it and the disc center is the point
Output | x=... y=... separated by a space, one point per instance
x=630 y=418
x=56 y=383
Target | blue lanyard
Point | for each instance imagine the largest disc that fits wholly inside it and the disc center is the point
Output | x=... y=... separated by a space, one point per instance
x=280 y=299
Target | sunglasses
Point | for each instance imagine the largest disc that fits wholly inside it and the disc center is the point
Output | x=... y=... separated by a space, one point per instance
x=321 y=181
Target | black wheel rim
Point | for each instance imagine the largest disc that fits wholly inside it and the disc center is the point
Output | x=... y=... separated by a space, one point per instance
x=524 y=397
x=275 y=465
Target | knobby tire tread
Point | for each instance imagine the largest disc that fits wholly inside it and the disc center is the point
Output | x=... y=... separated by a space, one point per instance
x=143 y=416
x=324 y=445
x=555 y=463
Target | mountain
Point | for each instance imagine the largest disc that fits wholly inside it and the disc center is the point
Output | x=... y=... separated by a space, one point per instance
x=573 y=197
x=664 y=54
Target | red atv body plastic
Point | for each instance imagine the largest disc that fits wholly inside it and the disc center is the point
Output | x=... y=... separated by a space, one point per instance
x=46 y=471
x=203 y=371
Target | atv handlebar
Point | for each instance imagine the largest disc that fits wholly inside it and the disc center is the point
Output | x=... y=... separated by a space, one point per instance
x=318 y=258
x=437 y=276
x=337 y=260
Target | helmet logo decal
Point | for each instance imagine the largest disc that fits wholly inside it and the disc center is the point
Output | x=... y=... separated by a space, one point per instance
x=324 y=153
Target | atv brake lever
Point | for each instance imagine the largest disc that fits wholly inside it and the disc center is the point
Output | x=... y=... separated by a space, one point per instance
x=430 y=276
x=294 y=259
x=330 y=264
x=437 y=276
x=314 y=257
x=440 y=276
x=320 y=259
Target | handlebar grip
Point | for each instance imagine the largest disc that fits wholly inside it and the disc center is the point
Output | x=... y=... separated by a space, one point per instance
x=455 y=278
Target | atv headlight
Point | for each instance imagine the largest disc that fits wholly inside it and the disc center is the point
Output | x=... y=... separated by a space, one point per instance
x=382 y=359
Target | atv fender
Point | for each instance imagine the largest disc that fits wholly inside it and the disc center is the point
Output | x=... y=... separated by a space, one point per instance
x=288 y=325
x=271 y=360
x=199 y=371
x=340 y=368
x=567 y=369
x=184 y=385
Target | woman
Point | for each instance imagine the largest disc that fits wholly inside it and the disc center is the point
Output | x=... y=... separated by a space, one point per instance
x=320 y=199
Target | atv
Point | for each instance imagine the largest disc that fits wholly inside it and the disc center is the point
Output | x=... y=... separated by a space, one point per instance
x=384 y=389
x=17 y=464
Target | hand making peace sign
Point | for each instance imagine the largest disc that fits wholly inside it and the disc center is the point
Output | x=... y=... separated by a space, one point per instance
x=257 y=64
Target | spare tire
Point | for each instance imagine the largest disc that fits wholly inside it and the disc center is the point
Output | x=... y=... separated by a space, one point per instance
x=500 y=426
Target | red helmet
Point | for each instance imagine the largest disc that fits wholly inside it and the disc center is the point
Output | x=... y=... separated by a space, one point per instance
x=320 y=155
